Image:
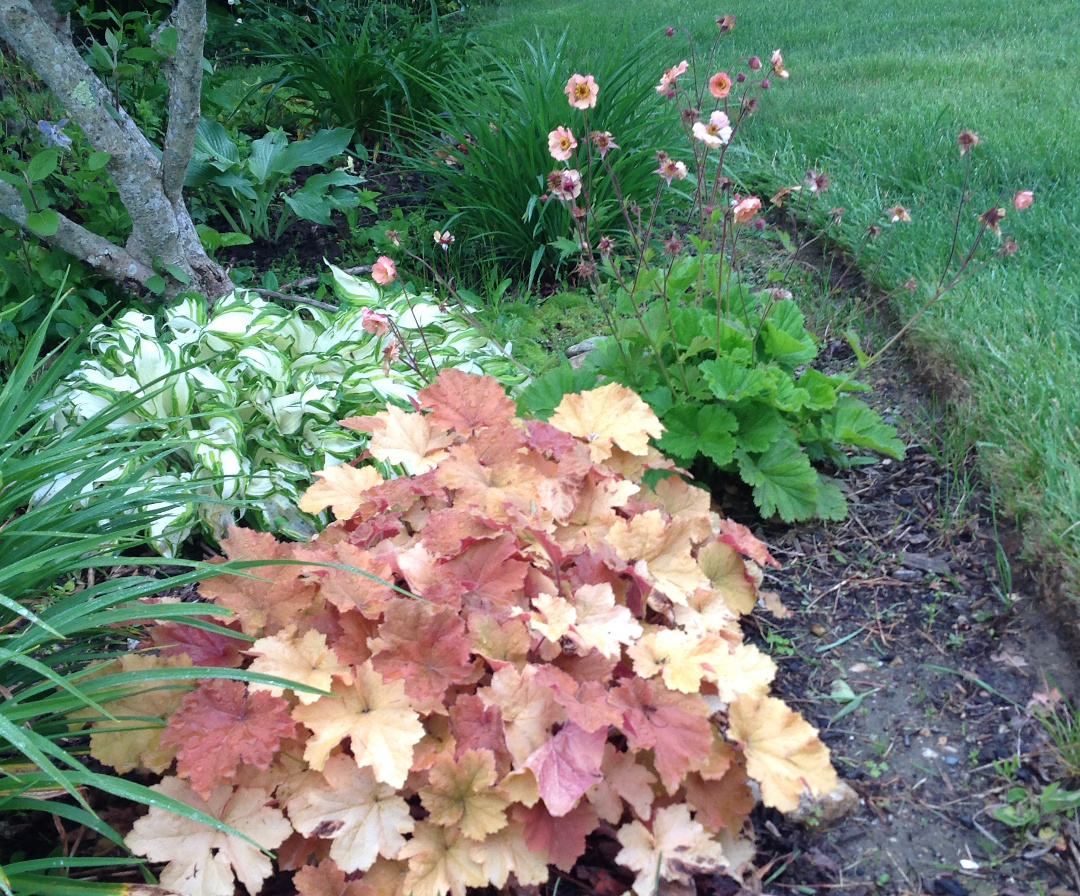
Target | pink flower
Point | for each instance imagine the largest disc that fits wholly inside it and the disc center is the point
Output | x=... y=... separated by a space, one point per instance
x=671 y=170
x=667 y=82
x=716 y=133
x=778 y=64
x=374 y=322
x=384 y=271
x=746 y=208
x=1023 y=199
x=394 y=236
x=967 y=140
x=566 y=185
x=725 y=23
x=603 y=142
x=720 y=85
x=992 y=219
x=581 y=90
x=561 y=144
x=443 y=239
x=390 y=353
x=898 y=213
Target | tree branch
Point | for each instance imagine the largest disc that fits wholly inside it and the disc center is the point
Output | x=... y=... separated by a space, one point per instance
x=184 y=74
x=108 y=258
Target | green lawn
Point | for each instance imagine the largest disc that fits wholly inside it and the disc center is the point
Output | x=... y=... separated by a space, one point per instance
x=879 y=89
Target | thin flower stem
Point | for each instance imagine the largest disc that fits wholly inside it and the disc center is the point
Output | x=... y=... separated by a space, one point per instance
x=956 y=229
x=419 y=326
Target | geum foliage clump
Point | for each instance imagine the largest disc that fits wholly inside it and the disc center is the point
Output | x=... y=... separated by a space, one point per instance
x=514 y=646
x=248 y=392
x=727 y=370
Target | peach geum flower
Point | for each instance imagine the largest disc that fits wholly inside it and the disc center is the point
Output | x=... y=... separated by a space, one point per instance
x=778 y=64
x=581 y=91
x=746 y=208
x=667 y=82
x=716 y=133
x=603 y=142
x=1023 y=199
x=384 y=271
x=565 y=185
x=443 y=239
x=671 y=170
x=967 y=140
x=374 y=322
x=561 y=144
x=720 y=85
x=898 y=213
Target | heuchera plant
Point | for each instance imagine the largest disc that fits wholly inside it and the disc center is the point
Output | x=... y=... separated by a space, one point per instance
x=514 y=648
x=726 y=369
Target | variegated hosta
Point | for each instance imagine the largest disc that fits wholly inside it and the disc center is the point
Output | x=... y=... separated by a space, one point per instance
x=514 y=644
x=252 y=391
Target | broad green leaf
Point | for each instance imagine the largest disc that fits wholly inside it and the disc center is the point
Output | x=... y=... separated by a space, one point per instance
x=97 y=160
x=43 y=223
x=700 y=430
x=42 y=165
x=784 y=483
x=854 y=423
x=759 y=426
x=178 y=273
x=155 y=284
x=213 y=147
x=315 y=150
x=540 y=398
x=785 y=337
x=819 y=388
x=831 y=503
x=733 y=382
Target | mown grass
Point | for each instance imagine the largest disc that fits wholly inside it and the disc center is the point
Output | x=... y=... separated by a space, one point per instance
x=878 y=92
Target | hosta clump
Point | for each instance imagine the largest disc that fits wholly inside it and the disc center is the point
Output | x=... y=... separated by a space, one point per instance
x=754 y=408
x=253 y=389
x=503 y=654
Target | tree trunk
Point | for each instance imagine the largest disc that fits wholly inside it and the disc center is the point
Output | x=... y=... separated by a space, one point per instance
x=149 y=187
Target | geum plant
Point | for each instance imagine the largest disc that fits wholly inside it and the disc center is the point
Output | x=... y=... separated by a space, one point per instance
x=512 y=650
x=728 y=370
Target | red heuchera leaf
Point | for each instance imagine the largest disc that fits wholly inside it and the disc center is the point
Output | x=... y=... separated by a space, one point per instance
x=449 y=532
x=219 y=726
x=203 y=647
x=745 y=542
x=478 y=727
x=722 y=805
x=490 y=580
x=326 y=879
x=352 y=646
x=675 y=726
x=425 y=646
x=586 y=701
x=266 y=598
x=466 y=403
x=298 y=851
x=563 y=838
x=568 y=765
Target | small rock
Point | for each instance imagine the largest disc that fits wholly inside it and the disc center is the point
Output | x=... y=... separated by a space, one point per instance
x=907 y=575
x=951 y=760
x=896 y=661
x=925 y=563
x=818 y=630
x=585 y=346
x=946 y=886
x=820 y=812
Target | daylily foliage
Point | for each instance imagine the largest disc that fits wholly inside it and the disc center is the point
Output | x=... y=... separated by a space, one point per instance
x=560 y=649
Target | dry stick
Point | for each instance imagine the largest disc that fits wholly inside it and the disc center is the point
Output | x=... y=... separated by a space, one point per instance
x=305 y=282
x=295 y=299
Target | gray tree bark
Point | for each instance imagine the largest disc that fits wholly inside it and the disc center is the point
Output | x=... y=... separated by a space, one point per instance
x=149 y=188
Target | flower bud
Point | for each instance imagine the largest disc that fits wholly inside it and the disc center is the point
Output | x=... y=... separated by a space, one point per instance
x=755 y=63
x=740 y=77
x=765 y=84
x=669 y=31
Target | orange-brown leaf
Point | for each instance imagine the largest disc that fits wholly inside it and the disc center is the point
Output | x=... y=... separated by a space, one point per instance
x=609 y=416
x=220 y=726
x=466 y=403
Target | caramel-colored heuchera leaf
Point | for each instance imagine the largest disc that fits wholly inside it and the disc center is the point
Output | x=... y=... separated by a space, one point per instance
x=201 y=860
x=783 y=753
x=524 y=647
